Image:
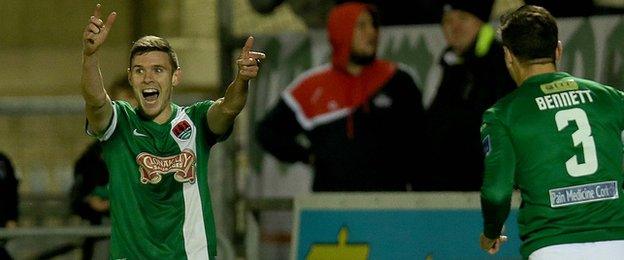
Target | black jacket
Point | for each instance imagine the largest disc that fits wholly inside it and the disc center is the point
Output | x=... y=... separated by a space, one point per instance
x=89 y=172
x=8 y=191
x=374 y=148
x=470 y=84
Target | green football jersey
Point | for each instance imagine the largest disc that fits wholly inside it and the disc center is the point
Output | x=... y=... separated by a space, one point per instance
x=558 y=139
x=160 y=202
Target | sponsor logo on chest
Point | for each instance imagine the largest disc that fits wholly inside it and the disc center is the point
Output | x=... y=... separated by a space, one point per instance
x=152 y=167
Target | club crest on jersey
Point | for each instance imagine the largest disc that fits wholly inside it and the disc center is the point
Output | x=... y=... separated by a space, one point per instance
x=182 y=130
x=152 y=167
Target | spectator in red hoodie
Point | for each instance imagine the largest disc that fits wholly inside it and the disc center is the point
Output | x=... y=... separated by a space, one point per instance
x=362 y=116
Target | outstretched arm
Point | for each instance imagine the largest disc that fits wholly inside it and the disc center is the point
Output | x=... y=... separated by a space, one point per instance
x=223 y=112
x=98 y=107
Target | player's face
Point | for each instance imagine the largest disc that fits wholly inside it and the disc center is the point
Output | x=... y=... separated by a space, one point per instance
x=153 y=78
x=365 y=36
x=460 y=29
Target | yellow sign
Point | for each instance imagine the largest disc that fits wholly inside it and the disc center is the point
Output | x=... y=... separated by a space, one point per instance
x=339 y=251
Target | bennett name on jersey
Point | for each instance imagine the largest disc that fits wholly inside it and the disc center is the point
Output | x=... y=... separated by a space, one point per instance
x=563 y=99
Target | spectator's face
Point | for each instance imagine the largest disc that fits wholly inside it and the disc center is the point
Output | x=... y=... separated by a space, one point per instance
x=365 y=36
x=460 y=29
x=152 y=79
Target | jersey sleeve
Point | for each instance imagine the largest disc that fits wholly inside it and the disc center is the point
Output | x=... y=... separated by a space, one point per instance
x=111 y=125
x=199 y=111
x=499 y=173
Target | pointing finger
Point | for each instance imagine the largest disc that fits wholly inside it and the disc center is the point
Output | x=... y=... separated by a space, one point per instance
x=97 y=11
x=248 y=44
x=110 y=20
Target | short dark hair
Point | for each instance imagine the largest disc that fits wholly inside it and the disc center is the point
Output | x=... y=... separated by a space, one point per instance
x=154 y=43
x=530 y=32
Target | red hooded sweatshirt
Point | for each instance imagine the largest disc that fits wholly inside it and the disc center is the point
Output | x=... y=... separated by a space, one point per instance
x=329 y=93
x=362 y=129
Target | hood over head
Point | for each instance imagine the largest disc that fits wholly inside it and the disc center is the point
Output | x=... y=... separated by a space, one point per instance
x=340 y=26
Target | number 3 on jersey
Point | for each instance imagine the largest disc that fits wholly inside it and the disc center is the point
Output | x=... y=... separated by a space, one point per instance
x=581 y=136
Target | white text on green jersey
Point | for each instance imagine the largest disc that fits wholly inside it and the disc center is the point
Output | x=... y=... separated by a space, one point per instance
x=564 y=99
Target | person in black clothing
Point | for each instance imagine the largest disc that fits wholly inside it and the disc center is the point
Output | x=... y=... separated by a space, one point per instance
x=474 y=77
x=10 y=199
x=89 y=193
x=363 y=116
x=90 y=174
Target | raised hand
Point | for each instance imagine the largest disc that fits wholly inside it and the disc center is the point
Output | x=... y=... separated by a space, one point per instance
x=249 y=61
x=96 y=31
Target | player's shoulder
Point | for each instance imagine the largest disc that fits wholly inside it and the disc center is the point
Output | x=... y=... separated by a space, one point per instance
x=503 y=109
x=600 y=89
x=204 y=103
x=491 y=114
x=594 y=85
x=123 y=111
x=503 y=103
x=124 y=108
x=197 y=109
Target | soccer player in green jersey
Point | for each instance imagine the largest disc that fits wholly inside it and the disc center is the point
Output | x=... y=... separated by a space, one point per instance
x=556 y=138
x=157 y=154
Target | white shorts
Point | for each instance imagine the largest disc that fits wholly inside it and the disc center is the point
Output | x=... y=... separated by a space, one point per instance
x=607 y=250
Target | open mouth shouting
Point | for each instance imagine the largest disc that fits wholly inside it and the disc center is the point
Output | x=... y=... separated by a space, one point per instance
x=150 y=95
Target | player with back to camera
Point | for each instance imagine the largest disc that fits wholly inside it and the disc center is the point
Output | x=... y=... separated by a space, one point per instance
x=557 y=138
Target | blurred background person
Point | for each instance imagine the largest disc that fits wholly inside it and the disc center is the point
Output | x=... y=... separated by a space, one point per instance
x=89 y=192
x=473 y=78
x=9 y=199
x=362 y=116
